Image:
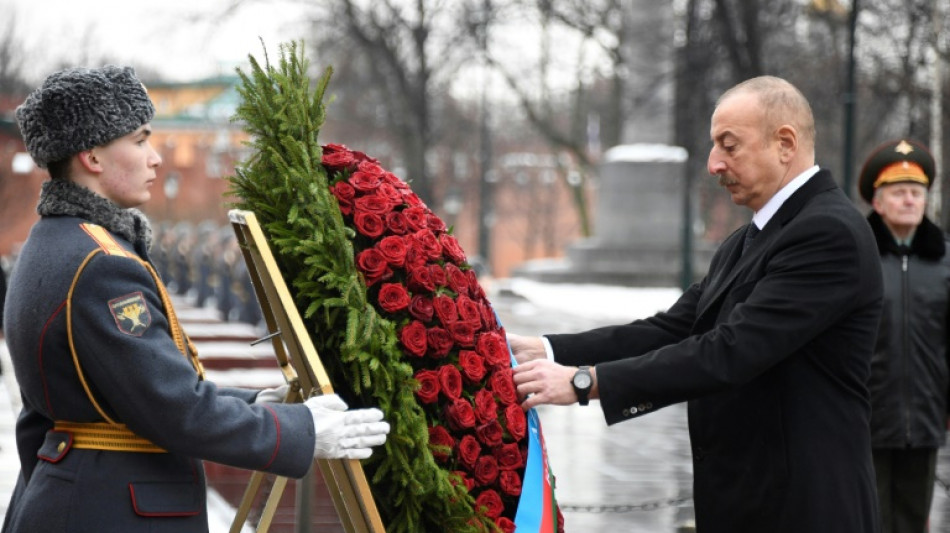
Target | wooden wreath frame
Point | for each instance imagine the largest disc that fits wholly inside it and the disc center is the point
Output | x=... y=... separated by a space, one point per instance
x=304 y=372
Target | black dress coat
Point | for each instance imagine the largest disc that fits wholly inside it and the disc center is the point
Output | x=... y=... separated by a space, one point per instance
x=772 y=351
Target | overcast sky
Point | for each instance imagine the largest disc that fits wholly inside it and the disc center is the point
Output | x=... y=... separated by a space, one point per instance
x=182 y=39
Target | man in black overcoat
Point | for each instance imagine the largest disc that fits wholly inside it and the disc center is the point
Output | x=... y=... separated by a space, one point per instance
x=771 y=349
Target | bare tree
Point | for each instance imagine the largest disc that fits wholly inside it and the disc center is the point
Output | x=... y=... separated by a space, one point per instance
x=562 y=119
x=406 y=52
x=13 y=58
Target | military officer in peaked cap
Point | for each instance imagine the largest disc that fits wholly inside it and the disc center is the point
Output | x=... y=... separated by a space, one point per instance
x=117 y=415
x=897 y=161
x=909 y=372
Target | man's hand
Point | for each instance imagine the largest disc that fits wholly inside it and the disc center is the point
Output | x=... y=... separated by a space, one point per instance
x=543 y=382
x=526 y=348
x=343 y=434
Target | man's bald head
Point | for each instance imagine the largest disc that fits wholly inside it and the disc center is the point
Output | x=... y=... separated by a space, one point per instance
x=782 y=103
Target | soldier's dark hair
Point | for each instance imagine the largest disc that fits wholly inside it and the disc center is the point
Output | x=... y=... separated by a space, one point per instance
x=59 y=169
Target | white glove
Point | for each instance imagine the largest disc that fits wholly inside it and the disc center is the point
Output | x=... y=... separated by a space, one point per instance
x=272 y=395
x=343 y=434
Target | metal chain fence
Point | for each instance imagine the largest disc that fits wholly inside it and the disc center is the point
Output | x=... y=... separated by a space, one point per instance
x=664 y=504
x=646 y=506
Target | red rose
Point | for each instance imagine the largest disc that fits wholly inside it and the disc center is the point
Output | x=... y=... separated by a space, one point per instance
x=435 y=223
x=426 y=242
x=458 y=281
x=486 y=470
x=343 y=191
x=445 y=309
x=515 y=421
x=416 y=259
x=488 y=316
x=394 y=250
x=486 y=409
x=459 y=476
x=330 y=148
x=337 y=160
x=397 y=223
x=463 y=333
x=510 y=482
x=502 y=384
x=344 y=194
x=494 y=348
x=490 y=501
x=504 y=523
x=508 y=456
x=364 y=182
x=371 y=167
x=490 y=434
x=368 y=224
x=412 y=199
x=414 y=339
x=452 y=249
x=451 y=380
x=441 y=443
x=460 y=414
x=389 y=192
x=473 y=366
x=373 y=266
x=437 y=273
x=440 y=342
x=360 y=157
x=476 y=289
x=393 y=297
x=392 y=179
x=469 y=451
x=420 y=308
x=468 y=309
x=420 y=280
x=416 y=217
x=428 y=391
x=374 y=203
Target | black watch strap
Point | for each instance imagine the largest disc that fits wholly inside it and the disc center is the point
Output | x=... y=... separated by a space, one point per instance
x=582 y=383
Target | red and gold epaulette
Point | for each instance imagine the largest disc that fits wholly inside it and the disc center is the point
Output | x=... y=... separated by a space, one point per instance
x=105 y=240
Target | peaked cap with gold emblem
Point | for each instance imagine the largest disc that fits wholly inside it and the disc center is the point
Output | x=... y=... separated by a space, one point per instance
x=896 y=161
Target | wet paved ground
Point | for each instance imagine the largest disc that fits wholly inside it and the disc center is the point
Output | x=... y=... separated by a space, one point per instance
x=636 y=476
x=632 y=477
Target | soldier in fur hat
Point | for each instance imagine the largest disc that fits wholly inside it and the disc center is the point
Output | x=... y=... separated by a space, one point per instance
x=909 y=375
x=117 y=416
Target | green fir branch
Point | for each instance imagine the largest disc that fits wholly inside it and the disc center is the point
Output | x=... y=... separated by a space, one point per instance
x=284 y=183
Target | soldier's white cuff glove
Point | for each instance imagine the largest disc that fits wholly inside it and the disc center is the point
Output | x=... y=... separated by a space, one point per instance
x=343 y=434
x=272 y=395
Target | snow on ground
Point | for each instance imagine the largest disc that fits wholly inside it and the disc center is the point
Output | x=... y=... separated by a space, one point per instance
x=601 y=302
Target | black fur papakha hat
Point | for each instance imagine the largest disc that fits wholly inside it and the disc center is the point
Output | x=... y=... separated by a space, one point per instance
x=896 y=161
x=80 y=108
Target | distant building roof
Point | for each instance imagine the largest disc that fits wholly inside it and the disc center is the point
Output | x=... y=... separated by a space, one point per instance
x=211 y=100
x=8 y=125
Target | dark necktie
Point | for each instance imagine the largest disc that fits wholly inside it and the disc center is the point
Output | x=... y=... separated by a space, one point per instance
x=750 y=234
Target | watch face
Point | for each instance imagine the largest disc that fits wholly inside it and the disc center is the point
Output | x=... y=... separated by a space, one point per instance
x=582 y=380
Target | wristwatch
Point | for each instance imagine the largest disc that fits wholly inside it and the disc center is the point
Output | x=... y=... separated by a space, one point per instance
x=582 y=383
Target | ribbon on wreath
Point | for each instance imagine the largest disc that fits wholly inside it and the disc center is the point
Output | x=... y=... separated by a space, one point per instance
x=537 y=508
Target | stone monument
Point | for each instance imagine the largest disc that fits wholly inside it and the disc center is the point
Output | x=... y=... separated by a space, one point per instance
x=638 y=205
